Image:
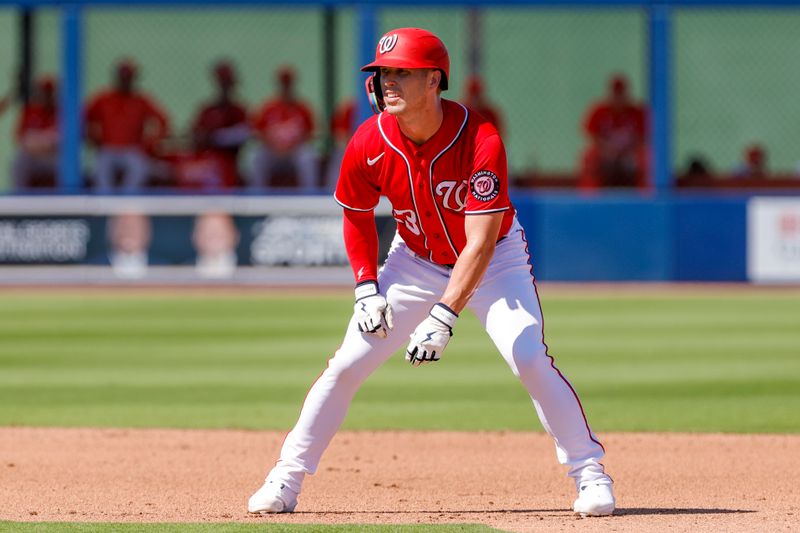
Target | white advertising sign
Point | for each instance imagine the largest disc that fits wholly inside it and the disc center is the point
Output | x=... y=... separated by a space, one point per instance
x=773 y=239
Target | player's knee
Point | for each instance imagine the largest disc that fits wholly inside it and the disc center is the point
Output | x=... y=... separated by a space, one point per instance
x=347 y=371
x=530 y=360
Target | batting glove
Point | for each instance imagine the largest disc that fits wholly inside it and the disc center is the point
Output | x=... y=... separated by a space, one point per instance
x=431 y=337
x=372 y=313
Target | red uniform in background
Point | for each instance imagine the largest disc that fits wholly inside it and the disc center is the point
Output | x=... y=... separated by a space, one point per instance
x=617 y=155
x=126 y=127
x=343 y=126
x=215 y=118
x=343 y=121
x=476 y=100
x=754 y=163
x=119 y=120
x=36 y=117
x=37 y=137
x=219 y=131
x=285 y=125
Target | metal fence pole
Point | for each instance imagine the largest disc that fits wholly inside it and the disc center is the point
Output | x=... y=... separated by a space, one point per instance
x=660 y=92
x=367 y=37
x=70 y=114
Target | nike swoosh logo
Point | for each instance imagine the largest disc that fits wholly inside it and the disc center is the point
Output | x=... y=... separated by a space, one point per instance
x=371 y=162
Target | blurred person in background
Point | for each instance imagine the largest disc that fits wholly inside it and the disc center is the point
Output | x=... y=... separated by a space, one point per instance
x=697 y=172
x=126 y=127
x=37 y=135
x=284 y=126
x=753 y=164
x=475 y=99
x=343 y=125
x=219 y=130
x=215 y=239
x=617 y=131
x=129 y=236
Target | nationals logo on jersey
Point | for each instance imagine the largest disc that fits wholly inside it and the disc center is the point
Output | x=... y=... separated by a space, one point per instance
x=484 y=185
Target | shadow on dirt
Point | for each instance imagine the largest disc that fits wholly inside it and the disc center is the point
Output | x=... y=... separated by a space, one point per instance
x=638 y=511
x=632 y=511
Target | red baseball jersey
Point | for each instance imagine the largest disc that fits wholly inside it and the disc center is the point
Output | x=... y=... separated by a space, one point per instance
x=461 y=170
x=219 y=162
x=218 y=115
x=120 y=119
x=605 y=121
x=343 y=121
x=286 y=123
x=35 y=117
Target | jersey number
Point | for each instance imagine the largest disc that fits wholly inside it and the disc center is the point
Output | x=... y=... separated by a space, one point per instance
x=408 y=218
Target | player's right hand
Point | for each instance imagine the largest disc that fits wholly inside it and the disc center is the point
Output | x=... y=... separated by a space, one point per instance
x=371 y=311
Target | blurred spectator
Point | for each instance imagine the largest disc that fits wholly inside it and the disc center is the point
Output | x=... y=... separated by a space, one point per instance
x=215 y=238
x=697 y=166
x=37 y=135
x=617 y=155
x=284 y=126
x=696 y=173
x=754 y=163
x=129 y=236
x=219 y=130
x=126 y=127
x=343 y=125
x=475 y=99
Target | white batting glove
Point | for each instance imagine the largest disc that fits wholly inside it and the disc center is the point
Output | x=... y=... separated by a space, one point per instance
x=371 y=311
x=431 y=337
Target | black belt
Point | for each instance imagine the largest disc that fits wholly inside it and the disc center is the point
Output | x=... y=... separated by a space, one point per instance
x=451 y=265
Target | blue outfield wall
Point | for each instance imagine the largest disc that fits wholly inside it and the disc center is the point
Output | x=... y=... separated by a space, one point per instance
x=709 y=239
x=633 y=238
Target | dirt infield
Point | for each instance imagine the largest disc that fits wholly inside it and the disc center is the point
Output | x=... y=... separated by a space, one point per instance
x=510 y=481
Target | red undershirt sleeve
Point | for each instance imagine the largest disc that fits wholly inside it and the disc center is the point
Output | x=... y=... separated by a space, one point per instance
x=361 y=243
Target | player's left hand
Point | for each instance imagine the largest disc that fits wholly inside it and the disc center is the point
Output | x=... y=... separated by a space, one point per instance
x=432 y=335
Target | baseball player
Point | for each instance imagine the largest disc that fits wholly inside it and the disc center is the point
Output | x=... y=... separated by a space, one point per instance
x=126 y=126
x=458 y=244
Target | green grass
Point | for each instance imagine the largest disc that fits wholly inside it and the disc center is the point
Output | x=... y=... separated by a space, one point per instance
x=715 y=362
x=61 y=527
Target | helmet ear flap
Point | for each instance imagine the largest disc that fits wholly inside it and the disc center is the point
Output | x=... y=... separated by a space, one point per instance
x=374 y=93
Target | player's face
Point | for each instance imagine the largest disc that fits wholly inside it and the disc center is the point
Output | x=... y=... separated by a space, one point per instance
x=404 y=89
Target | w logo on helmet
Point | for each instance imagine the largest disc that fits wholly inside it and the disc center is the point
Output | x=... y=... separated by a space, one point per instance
x=386 y=43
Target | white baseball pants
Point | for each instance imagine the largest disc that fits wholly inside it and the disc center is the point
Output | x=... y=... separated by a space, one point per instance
x=303 y=158
x=506 y=303
x=134 y=163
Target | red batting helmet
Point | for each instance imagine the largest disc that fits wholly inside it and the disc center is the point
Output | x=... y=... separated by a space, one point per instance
x=406 y=48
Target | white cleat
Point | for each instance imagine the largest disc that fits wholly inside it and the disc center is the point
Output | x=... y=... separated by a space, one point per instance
x=272 y=497
x=595 y=499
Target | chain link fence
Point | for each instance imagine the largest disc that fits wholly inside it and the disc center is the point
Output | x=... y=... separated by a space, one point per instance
x=736 y=76
x=734 y=70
